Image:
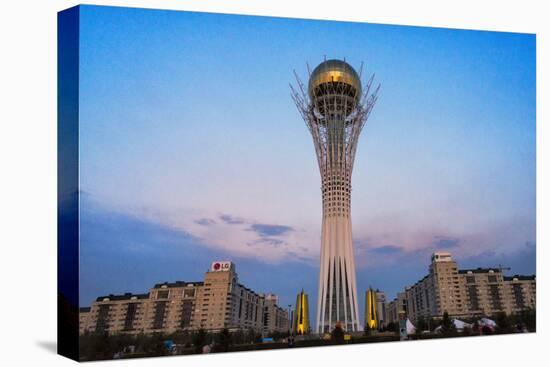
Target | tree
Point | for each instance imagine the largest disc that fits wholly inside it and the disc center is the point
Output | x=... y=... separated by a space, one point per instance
x=238 y=337
x=337 y=334
x=182 y=337
x=529 y=318
x=250 y=336
x=447 y=325
x=421 y=325
x=101 y=346
x=392 y=326
x=503 y=323
x=157 y=346
x=223 y=340
x=367 y=330
x=199 y=340
x=446 y=321
x=432 y=324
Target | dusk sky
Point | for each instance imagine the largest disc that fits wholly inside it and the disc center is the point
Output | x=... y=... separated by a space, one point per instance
x=191 y=150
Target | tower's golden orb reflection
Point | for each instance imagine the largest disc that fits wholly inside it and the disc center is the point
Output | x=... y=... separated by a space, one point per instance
x=334 y=88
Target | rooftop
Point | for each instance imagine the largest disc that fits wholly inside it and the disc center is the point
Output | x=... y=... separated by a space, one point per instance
x=177 y=284
x=520 y=277
x=123 y=297
x=479 y=270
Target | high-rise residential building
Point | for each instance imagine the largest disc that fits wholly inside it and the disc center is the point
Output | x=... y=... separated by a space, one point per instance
x=520 y=293
x=225 y=303
x=275 y=317
x=382 y=308
x=489 y=291
x=335 y=108
x=300 y=319
x=115 y=313
x=437 y=292
x=466 y=292
x=169 y=306
x=218 y=302
x=399 y=304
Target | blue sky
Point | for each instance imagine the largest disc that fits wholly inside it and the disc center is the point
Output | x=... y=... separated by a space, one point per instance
x=191 y=150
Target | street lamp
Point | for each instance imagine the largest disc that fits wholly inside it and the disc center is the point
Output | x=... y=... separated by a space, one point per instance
x=289 y=320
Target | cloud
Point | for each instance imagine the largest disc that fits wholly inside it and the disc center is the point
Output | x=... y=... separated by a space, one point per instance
x=267 y=242
x=387 y=250
x=205 y=221
x=230 y=219
x=238 y=235
x=378 y=241
x=266 y=230
x=521 y=261
x=442 y=242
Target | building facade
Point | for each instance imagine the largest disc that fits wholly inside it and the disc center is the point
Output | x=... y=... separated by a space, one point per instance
x=169 y=306
x=218 y=302
x=520 y=293
x=399 y=304
x=335 y=109
x=439 y=291
x=489 y=292
x=463 y=293
x=275 y=318
x=382 y=308
x=115 y=313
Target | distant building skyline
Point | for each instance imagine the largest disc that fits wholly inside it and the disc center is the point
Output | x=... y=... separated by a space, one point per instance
x=447 y=161
x=221 y=301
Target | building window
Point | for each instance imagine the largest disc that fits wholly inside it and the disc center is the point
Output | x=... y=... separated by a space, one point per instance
x=186 y=313
x=518 y=295
x=131 y=311
x=187 y=293
x=160 y=311
x=472 y=297
x=162 y=294
x=495 y=297
x=102 y=323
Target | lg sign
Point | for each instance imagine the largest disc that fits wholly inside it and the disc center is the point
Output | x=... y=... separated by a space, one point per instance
x=221 y=266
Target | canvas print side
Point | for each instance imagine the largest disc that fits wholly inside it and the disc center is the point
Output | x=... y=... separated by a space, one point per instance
x=67 y=183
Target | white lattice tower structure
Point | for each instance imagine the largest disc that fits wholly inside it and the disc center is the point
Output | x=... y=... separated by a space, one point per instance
x=335 y=109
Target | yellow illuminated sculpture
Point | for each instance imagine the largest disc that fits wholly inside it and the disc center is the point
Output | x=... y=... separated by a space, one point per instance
x=371 y=318
x=301 y=314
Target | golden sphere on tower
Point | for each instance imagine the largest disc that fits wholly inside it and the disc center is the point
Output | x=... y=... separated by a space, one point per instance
x=332 y=72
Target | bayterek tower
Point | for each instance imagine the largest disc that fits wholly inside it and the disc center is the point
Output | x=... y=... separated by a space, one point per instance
x=335 y=108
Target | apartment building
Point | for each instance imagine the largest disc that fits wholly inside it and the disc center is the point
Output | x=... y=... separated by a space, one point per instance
x=115 y=313
x=399 y=304
x=275 y=317
x=218 y=302
x=490 y=292
x=463 y=293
